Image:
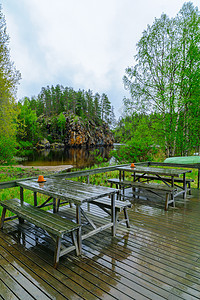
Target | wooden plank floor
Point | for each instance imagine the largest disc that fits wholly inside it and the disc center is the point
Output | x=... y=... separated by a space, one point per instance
x=157 y=258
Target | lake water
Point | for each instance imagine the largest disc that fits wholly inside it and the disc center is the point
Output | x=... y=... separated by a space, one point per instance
x=78 y=157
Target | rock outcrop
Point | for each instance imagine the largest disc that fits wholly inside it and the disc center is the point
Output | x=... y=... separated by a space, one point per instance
x=43 y=144
x=76 y=132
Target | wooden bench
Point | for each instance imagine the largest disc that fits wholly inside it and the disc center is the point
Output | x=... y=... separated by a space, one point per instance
x=105 y=203
x=117 y=181
x=168 y=179
x=151 y=187
x=55 y=225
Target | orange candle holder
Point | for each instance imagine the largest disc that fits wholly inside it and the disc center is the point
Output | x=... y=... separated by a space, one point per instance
x=41 y=178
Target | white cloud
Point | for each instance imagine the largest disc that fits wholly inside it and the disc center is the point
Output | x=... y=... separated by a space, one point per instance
x=86 y=44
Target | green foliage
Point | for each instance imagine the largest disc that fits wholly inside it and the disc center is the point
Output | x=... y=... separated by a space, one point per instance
x=61 y=122
x=98 y=156
x=9 y=78
x=27 y=129
x=165 y=82
x=7 y=149
x=55 y=100
x=134 y=152
x=45 y=116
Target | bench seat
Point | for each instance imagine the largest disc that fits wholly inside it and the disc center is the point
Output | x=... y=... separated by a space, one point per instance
x=152 y=187
x=105 y=203
x=55 y=225
x=168 y=179
x=117 y=181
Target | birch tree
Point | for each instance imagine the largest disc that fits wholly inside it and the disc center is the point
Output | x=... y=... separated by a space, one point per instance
x=166 y=77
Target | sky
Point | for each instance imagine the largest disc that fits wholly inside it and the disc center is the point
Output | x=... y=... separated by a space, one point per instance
x=83 y=44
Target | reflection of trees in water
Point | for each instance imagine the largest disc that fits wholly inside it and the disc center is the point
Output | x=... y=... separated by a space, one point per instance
x=80 y=157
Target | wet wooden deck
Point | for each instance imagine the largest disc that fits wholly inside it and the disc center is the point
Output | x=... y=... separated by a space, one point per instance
x=158 y=258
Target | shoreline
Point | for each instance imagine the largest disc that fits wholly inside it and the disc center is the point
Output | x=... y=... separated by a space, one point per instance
x=44 y=168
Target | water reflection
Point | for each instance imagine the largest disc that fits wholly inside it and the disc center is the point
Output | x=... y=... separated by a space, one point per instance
x=78 y=157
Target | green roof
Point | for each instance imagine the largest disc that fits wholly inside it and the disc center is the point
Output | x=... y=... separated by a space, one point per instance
x=183 y=160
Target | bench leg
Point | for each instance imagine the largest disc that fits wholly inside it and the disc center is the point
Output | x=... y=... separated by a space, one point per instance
x=75 y=242
x=79 y=232
x=58 y=204
x=189 y=188
x=54 y=206
x=21 y=221
x=57 y=252
x=166 y=201
x=113 y=220
x=126 y=217
x=116 y=215
x=3 y=218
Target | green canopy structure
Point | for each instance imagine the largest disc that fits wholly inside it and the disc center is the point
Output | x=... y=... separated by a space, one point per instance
x=183 y=160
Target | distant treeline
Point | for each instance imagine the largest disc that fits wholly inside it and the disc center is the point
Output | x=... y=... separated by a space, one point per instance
x=54 y=100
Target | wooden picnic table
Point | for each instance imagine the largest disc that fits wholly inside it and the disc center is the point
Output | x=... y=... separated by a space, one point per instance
x=62 y=191
x=141 y=172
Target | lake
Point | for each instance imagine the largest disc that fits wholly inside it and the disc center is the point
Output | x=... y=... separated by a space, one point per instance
x=78 y=157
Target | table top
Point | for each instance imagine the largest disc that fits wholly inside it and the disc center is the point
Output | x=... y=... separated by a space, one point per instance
x=63 y=189
x=153 y=170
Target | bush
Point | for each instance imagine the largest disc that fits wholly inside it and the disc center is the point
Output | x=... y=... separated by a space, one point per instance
x=7 y=149
x=134 y=153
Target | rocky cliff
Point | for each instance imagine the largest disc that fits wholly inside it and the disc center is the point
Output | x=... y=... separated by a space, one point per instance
x=74 y=132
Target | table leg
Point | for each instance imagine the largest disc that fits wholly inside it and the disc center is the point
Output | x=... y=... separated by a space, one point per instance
x=35 y=198
x=54 y=206
x=57 y=252
x=3 y=217
x=184 y=186
x=21 y=195
x=22 y=201
x=120 y=187
x=79 y=233
x=113 y=219
x=172 y=184
x=123 y=188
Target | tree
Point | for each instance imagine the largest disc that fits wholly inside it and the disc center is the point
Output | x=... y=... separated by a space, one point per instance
x=166 y=77
x=105 y=108
x=90 y=103
x=61 y=123
x=9 y=78
x=27 y=122
x=97 y=108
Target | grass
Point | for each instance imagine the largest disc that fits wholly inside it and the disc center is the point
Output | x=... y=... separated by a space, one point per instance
x=9 y=173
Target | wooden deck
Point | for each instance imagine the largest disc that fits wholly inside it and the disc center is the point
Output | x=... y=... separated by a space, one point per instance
x=158 y=258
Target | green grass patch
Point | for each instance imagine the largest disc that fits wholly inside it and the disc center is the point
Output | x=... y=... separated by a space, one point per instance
x=9 y=173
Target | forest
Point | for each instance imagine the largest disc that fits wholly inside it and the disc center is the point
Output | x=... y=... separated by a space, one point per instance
x=46 y=113
x=160 y=117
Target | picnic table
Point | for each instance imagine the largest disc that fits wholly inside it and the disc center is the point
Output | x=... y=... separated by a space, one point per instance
x=62 y=191
x=142 y=175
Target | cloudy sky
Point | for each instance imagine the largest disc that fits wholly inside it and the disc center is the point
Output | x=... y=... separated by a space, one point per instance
x=84 y=44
